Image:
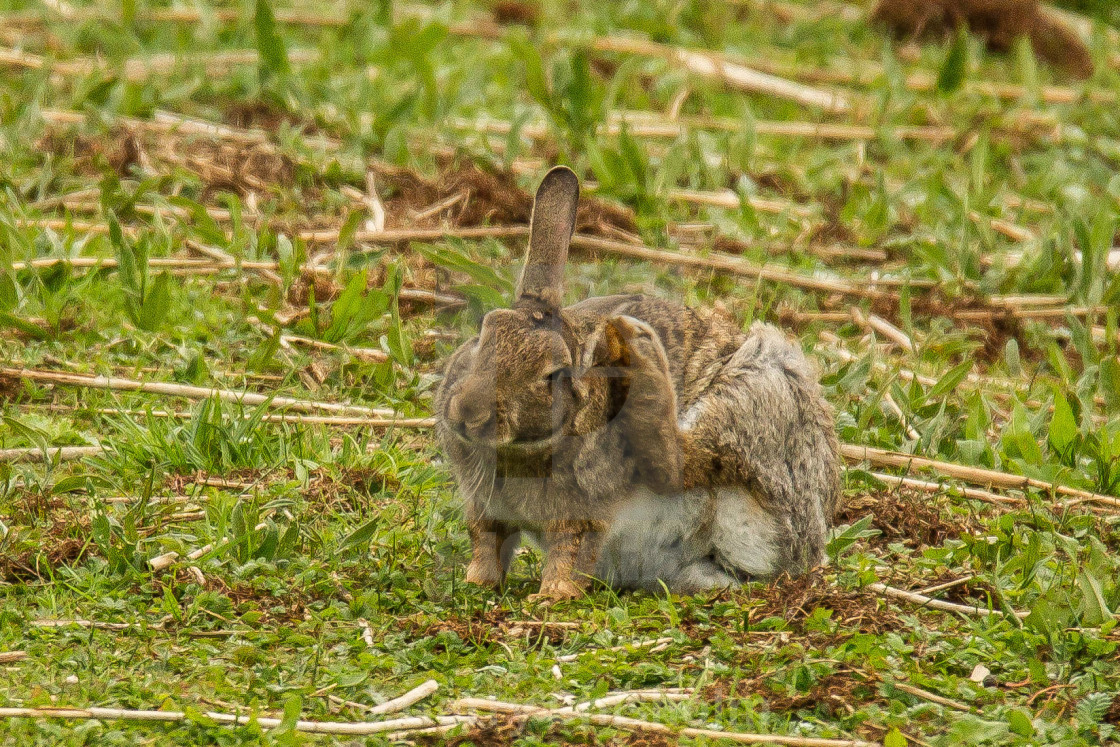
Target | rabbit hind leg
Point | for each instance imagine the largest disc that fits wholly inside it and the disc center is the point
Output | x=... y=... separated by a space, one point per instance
x=704 y=575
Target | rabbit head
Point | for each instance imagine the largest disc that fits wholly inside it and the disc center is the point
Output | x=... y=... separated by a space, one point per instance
x=516 y=385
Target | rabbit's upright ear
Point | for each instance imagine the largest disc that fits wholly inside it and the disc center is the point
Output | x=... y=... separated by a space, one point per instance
x=550 y=232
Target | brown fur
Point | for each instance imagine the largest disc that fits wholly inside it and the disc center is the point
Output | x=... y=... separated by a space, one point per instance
x=552 y=417
x=999 y=22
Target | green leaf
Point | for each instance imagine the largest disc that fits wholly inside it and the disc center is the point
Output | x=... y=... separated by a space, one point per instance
x=30 y=329
x=530 y=61
x=9 y=292
x=955 y=68
x=399 y=345
x=156 y=304
x=1110 y=382
x=293 y=704
x=949 y=382
x=128 y=269
x=270 y=45
x=847 y=537
x=36 y=436
x=264 y=358
x=360 y=536
x=1020 y=723
x=1011 y=357
x=349 y=228
x=894 y=738
x=1094 y=608
x=1063 y=425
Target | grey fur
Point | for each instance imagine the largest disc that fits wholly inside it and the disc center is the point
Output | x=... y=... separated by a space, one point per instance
x=701 y=455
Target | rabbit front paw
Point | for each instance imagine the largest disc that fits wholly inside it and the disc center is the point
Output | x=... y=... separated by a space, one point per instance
x=557 y=590
x=649 y=415
x=484 y=573
x=642 y=351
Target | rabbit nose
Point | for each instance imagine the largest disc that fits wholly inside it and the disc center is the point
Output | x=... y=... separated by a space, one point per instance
x=482 y=428
x=473 y=419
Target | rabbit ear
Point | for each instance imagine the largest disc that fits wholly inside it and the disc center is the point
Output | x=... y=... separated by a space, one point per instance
x=550 y=232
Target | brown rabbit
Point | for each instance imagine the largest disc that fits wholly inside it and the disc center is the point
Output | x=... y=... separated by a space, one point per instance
x=635 y=440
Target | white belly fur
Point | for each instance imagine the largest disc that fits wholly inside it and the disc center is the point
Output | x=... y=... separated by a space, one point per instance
x=656 y=538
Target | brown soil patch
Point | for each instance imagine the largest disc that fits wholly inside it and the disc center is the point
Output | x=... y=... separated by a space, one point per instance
x=907 y=516
x=119 y=149
x=220 y=165
x=998 y=22
x=44 y=534
x=327 y=491
x=832 y=694
x=1113 y=715
x=485 y=628
x=232 y=167
x=288 y=608
x=516 y=11
x=10 y=387
x=466 y=195
x=506 y=730
x=261 y=115
x=994 y=328
x=836 y=693
x=795 y=599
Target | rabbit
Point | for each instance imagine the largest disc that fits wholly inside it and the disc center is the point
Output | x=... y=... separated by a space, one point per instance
x=632 y=439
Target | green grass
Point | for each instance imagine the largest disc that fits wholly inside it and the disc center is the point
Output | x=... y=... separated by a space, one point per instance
x=320 y=529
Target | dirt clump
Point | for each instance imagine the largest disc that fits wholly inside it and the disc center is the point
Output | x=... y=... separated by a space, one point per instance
x=834 y=693
x=262 y=115
x=221 y=165
x=120 y=149
x=507 y=730
x=44 y=533
x=793 y=600
x=232 y=166
x=796 y=599
x=524 y=12
x=467 y=195
x=998 y=22
x=1113 y=715
x=483 y=628
x=905 y=516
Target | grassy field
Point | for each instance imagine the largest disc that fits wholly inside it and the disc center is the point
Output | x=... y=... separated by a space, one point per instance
x=315 y=204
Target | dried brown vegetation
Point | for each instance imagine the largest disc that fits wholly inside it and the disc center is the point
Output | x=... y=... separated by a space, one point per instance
x=795 y=599
x=999 y=22
x=464 y=194
x=909 y=517
x=835 y=693
x=1113 y=715
x=504 y=731
x=221 y=165
x=483 y=628
x=44 y=533
x=524 y=12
